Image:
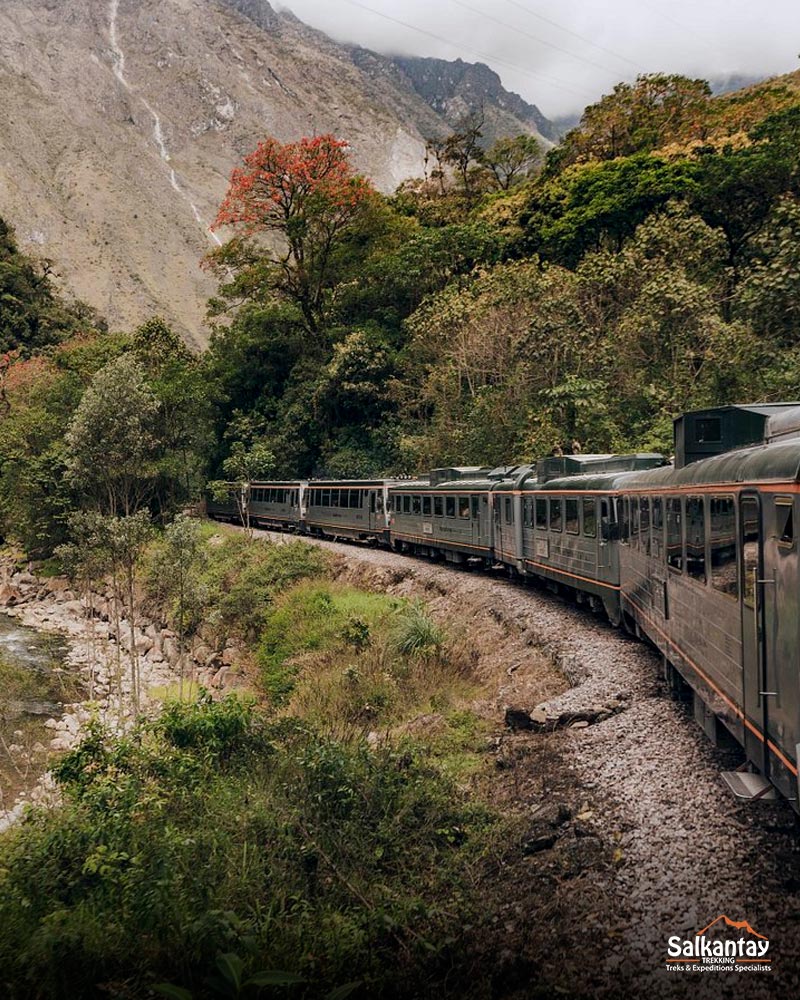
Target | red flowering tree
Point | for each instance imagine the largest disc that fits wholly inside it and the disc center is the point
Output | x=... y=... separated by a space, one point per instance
x=291 y=207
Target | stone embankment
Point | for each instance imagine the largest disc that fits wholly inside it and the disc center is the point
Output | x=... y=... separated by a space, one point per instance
x=105 y=666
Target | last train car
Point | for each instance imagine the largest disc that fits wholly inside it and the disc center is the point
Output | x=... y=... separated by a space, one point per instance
x=710 y=573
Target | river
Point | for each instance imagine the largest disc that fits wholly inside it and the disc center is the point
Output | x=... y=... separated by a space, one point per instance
x=34 y=686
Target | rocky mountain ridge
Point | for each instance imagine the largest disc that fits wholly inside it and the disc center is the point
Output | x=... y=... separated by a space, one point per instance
x=121 y=121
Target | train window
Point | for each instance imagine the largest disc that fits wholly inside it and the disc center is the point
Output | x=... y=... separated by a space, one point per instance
x=696 y=538
x=657 y=523
x=634 y=522
x=555 y=514
x=644 y=525
x=450 y=506
x=416 y=505
x=674 y=534
x=476 y=508
x=526 y=512
x=463 y=506
x=509 y=514
x=625 y=521
x=355 y=498
x=722 y=551
x=707 y=430
x=426 y=506
x=338 y=498
x=571 y=522
x=590 y=517
x=438 y=506
x=541 y=513
x=784 y=522
x=751 y=535
x=326 y=498
x=406 y=504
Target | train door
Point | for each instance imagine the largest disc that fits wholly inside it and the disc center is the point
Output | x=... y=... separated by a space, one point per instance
x=497 y=526
x=755 y=657
x=375 y=506
x=779 y=663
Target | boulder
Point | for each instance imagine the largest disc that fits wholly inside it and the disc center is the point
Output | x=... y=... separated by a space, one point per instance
x=518 y=719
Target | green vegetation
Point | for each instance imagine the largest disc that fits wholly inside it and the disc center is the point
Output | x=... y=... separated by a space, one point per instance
x=216 y=831
x=242 y=839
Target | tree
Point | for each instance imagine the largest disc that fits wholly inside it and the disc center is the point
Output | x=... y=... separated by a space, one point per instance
x=176 y=566
x=636 y=118
x=304 y=196
x=244 y=464
x=512 y=159
x=110 y=439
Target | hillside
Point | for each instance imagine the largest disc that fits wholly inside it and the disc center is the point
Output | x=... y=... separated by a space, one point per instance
x=122 y=119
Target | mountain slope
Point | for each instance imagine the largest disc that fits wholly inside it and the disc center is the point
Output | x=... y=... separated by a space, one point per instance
x=122 y=119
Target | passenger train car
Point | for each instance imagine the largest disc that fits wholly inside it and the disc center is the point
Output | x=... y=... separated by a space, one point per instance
x=699 y=557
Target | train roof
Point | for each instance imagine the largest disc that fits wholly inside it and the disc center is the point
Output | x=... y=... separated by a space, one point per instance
x=779 y=462
x=354 y=483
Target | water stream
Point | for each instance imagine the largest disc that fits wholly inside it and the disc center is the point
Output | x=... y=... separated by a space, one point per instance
x=34 y=686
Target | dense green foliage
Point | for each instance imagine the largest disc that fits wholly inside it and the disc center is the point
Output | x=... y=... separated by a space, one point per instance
x=226 y=840
x=215 y=831
x=646 y=269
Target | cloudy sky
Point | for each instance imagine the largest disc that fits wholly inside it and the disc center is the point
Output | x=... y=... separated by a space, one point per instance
x=562 y=54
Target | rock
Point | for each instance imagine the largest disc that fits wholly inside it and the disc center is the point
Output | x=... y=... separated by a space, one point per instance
x=541 y=842
x=51 y=724
x=9 y=596
x=582 y=724
x=56 y=585
x=539 y=716
x=229 y=656
x=218 y=680
x=169 y=648
x=518 y=719
x=144 y=644
x=552 y=814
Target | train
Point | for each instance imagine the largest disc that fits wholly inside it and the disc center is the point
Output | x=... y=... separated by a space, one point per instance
x=696 y=555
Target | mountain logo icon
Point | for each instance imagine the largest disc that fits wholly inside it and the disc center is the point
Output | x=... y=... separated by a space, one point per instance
x=739 y=925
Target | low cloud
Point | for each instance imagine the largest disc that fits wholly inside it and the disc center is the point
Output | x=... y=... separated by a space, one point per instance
x=573 y=51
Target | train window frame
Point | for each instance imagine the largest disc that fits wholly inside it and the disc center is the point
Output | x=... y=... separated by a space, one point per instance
x=571 y=505
x=356 y=497
x=527 y=512
x=635 y=523
x=463 y=508
x=426 y=506
x=555 y=514
x=475 y=505
x=508 y=512
x=541 y=517
x=589 y=504
x=625 y=522
x=326 y=497
x=748 y=569
x=644 y=524
x=715 y=577
x=406 y=503
x=656 y=527
x=450 y=506
x=670 y=505
x=784 y=539
x=438 y=506
x=416 y=505
x=698 y=503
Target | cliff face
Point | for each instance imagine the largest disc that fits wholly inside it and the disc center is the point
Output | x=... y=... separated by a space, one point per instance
x=455 y=89
x=120 y=122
